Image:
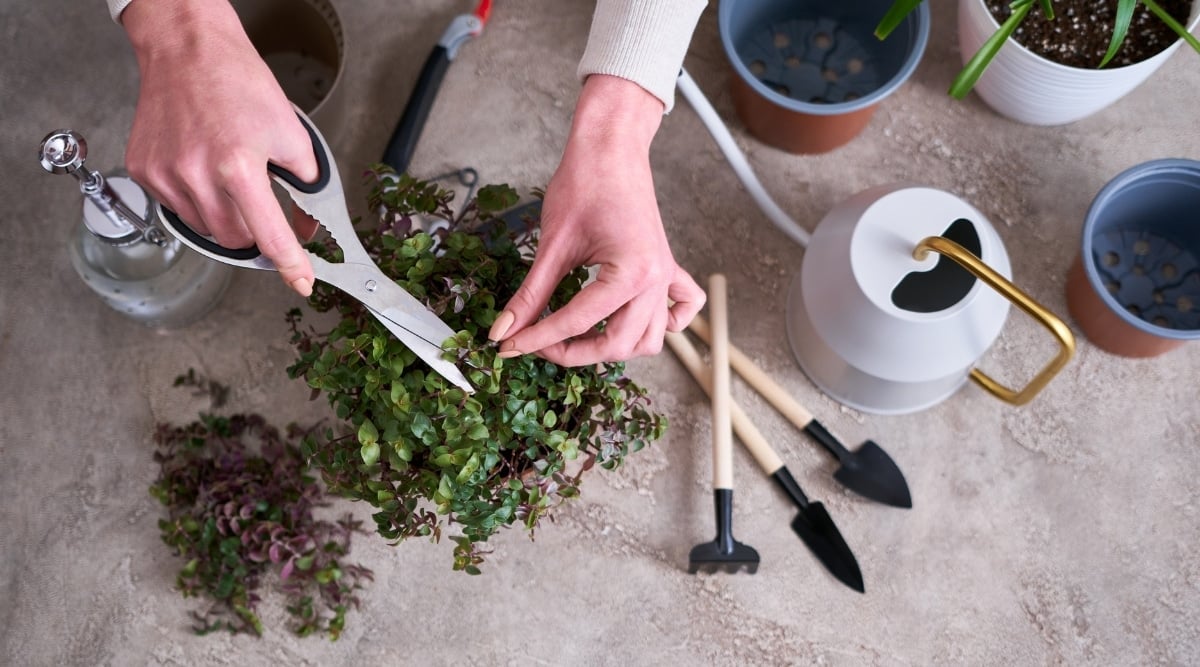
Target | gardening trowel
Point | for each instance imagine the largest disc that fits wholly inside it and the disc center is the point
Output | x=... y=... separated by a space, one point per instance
x=868 y=471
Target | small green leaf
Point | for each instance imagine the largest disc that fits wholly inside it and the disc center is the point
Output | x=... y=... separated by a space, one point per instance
x=496 y=198
x=367 y=433
x=370 y=453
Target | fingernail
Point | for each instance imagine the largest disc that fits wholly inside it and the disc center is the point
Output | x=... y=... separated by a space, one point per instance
x=501 y=326
x=303 y=286
x=508 y=352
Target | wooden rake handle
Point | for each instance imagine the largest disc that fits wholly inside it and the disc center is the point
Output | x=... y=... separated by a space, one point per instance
x=750 y=436
x=776 y=395
x=718 y=308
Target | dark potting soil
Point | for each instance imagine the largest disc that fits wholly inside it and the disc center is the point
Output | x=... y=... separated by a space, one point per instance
x=1081 y=30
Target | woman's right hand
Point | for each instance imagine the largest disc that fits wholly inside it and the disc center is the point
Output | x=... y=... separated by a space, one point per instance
x=210 y=115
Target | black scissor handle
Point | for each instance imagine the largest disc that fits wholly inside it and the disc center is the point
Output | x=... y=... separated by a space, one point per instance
x=193 y=238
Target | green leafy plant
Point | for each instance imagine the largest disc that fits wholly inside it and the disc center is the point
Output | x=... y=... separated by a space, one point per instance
x=424 y=453
x=1021 y=10
x=236 y=514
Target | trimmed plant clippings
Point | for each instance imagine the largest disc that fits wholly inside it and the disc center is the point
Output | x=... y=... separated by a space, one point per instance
x=420 y=450
x=240 y=507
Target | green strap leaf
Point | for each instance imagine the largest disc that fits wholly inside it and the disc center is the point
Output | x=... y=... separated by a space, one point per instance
x=1120 y=28
x=895 y=16
x=983 y=57
x=1173 y=24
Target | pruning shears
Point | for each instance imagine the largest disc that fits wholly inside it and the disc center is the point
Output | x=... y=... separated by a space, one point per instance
x=403 y=143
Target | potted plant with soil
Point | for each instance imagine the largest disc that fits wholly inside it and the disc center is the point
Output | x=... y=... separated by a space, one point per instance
x=425 y=454
x=1050 y=62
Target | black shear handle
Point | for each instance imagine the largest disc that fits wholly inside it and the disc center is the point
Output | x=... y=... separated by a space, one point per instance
x=403 y=143
x=180 y=228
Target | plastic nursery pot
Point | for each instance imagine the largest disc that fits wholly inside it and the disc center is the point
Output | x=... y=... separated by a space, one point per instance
x=808 y=74
x=1028 y=88
x=1134 y=290
x=303 y=43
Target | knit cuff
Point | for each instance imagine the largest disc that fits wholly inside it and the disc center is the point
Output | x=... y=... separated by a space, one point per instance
x=643 y=41
x=115 y=7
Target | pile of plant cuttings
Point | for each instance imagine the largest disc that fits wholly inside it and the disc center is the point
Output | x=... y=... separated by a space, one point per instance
x=423 y=452
x=240 y=508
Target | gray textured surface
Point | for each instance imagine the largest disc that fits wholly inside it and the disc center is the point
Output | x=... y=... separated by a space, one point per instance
x=1062 y=532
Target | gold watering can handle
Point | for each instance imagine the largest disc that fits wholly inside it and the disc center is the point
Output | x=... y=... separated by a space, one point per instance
x=989 y=276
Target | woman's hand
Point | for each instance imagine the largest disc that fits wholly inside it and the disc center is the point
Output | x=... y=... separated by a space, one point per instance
x=600 y=209
x=210 y=115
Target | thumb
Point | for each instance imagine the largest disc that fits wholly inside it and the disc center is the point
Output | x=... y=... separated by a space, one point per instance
x=526 y=306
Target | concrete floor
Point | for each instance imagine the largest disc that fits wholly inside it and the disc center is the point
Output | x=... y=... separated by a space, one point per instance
x=1061 y=532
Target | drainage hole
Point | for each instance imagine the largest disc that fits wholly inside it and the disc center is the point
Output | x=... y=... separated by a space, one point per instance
x=829 y=75
x=792 y=62
x=817 y=100
x=1161 y=321
x=758 y=68
x=1141 y=248
x=1159 y=297
x=822 y=40
x=1113 y=286
x=1169 y=271
x=1184 y=304
x=1139 y=270
x=854 y=66
x=1111 y=259
x=1135 y=310
x=851 y=96
x=782 y=41
x=783 y=90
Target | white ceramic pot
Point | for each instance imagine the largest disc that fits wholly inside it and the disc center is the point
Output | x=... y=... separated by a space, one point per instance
x=883 y=331
x=1030 y=89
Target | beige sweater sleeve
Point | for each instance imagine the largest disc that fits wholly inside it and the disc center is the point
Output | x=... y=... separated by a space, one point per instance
x=643 y=41
x=115 y=7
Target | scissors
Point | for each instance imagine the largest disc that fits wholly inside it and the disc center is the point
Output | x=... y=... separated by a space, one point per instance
x=400 y=312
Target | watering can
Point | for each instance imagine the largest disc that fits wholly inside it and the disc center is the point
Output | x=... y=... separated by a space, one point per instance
x=902 y=290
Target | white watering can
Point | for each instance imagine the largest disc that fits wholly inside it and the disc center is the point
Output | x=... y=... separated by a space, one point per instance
x=902 y=290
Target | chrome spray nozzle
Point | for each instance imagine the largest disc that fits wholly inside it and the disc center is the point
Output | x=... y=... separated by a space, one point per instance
x=64 y=152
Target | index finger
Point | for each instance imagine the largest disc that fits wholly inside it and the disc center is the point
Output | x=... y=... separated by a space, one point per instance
x=591 y=305
x=252 y=194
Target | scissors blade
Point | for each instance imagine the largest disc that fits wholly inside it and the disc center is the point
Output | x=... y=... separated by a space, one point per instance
x=428 y=352
x=407 y=318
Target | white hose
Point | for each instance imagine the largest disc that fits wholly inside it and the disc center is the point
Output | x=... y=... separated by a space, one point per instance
x=737 y=160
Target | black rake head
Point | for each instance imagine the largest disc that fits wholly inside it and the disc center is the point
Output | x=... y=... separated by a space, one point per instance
x=715 y=557
x=723 y=553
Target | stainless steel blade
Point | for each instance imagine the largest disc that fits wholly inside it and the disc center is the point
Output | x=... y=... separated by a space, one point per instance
x=429 y=353
x=407 y=318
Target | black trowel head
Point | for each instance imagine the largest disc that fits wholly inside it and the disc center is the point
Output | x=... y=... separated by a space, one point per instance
x=870 y=472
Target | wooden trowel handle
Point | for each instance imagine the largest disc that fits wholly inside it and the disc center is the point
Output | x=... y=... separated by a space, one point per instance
x=750 y=436
x=755 y=377
x=718 y=308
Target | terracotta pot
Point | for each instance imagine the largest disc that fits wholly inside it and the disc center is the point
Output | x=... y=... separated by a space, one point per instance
x=1134 y=289
x=808 y=74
